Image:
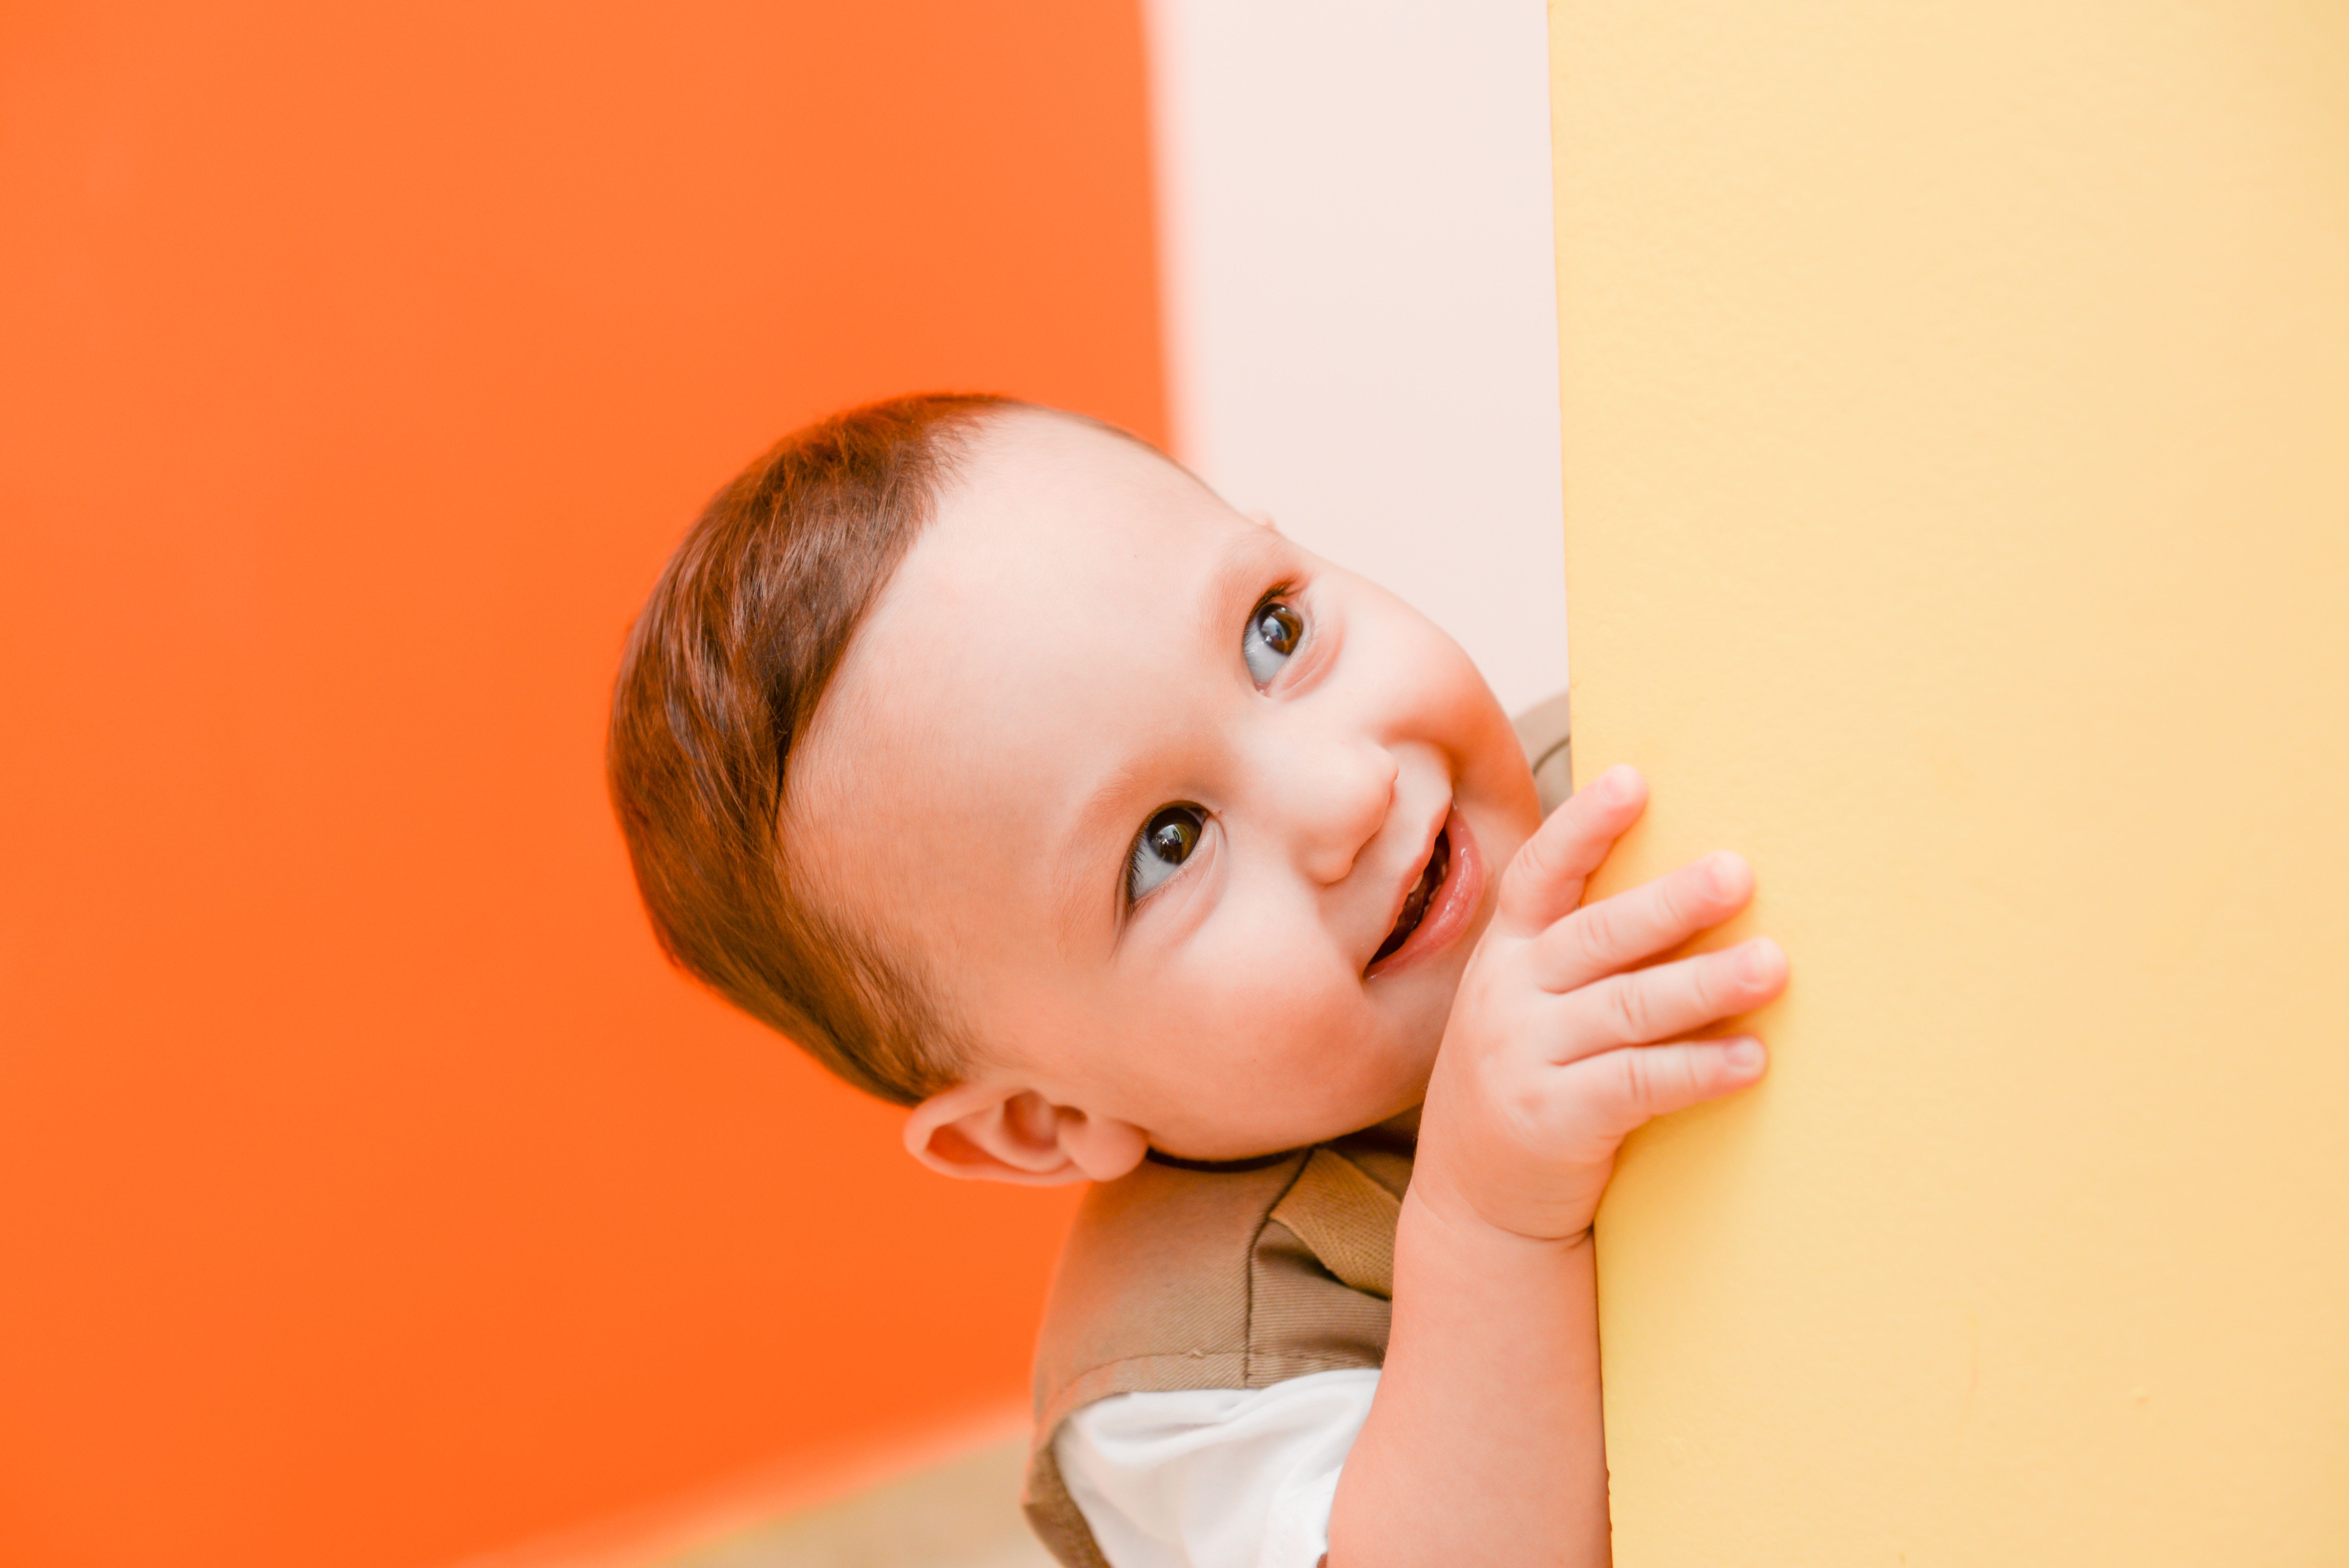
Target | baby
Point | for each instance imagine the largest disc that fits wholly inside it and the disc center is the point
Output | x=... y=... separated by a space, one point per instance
x=989 y=756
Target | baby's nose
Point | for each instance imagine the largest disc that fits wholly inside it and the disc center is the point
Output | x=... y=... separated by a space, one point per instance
x=1343 y=806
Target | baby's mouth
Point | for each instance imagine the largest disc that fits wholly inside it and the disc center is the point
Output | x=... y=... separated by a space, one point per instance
x=1414 y=903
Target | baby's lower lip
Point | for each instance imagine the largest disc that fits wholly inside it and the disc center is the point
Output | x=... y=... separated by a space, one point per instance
x=1450 y=908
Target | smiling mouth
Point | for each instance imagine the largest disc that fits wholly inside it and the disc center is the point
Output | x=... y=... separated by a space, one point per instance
x=1414 y=904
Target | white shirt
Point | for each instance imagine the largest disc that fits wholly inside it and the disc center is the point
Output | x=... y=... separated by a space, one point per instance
x=1215 y=1478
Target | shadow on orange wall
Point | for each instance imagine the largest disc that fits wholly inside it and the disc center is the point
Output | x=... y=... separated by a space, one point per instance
x=373 y=1193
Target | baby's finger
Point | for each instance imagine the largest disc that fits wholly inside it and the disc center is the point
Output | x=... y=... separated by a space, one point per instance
x=1616 y=932
x=1671 y=999
x=1545 y=879
x=1622 y=1090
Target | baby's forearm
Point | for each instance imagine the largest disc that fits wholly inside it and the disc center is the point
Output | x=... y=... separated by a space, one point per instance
x=1485 y=1443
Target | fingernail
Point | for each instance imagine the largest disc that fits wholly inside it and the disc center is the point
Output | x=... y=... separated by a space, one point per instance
x=1746 y=1055
x=1618 y=783
x=1761 y=959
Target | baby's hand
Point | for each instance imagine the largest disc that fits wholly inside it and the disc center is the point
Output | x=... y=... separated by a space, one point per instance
x=1551 y=1056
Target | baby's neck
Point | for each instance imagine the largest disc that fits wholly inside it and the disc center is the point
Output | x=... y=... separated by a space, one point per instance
x=1406 y=1123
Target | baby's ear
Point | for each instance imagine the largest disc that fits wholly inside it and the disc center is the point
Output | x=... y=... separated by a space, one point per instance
x=994 y=1132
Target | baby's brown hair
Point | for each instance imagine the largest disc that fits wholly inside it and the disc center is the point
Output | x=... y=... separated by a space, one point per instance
x=722 y=676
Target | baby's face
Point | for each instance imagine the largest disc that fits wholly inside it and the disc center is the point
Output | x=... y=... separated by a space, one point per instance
x=1190 y=828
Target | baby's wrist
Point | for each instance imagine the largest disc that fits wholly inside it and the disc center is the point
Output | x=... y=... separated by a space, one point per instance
x=1455 y=1267
x=1453 y=1221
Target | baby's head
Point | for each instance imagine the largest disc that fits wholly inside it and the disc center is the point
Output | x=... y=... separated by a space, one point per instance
x=986 y=754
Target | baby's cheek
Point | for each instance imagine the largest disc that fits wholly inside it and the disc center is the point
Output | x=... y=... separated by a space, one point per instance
x=1339 y=1056
x=1279 y=994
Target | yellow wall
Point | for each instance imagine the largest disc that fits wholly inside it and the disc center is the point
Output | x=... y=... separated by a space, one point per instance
x=1957 y=444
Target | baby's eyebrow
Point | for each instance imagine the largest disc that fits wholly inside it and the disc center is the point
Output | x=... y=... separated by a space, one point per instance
x=1080 y=895
x=1249 y=568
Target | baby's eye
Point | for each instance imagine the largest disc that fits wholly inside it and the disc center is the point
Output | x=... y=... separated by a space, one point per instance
x=1166 y=842
x=1274 y=630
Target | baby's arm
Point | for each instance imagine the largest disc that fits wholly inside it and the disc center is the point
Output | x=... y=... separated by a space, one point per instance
x=1484 y=1443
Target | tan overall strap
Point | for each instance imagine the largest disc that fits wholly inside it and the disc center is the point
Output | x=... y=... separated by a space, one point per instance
x=1346 y=1220
x=1244 y=1276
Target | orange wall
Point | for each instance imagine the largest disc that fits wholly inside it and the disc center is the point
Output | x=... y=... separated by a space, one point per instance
x=369 y=1192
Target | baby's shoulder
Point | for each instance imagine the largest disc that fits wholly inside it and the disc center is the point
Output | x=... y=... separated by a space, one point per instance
x=1184 y=1275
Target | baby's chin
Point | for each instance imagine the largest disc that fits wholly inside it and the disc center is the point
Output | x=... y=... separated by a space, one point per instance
x=1507 y=806
x=1316 y=1115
